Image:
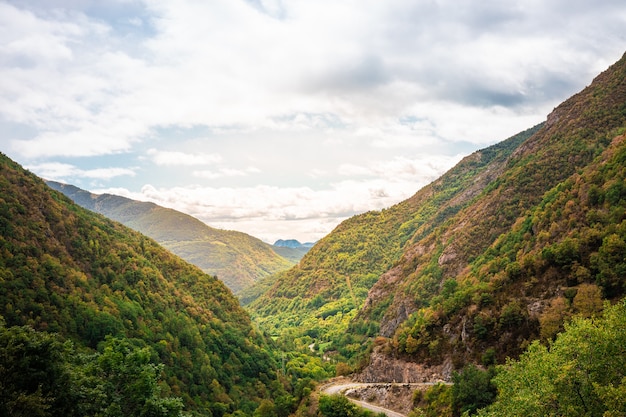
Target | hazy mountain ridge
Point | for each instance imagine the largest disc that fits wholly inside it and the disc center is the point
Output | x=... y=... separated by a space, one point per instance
x=292 y=249
x=435 y=268
x=292 y=243
x=68 y=270
x=234 y=257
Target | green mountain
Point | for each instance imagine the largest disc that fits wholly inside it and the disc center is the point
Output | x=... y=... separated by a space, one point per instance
x=67 y=270
x=236 y=258
x=501 y=250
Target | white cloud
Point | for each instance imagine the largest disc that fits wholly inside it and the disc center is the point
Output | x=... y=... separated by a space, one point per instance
x=59 y=171
x=225 y=172
x=173 y=158
x=85 y=142
x=339 y=106
x=309 y=213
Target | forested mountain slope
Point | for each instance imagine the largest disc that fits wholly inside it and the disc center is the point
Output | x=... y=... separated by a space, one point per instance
x=499 y=251
x=67 y=270
x=545 y=240
x=236 y=258
x=319 y=298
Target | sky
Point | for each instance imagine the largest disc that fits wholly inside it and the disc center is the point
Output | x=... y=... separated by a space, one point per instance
x=281 y=118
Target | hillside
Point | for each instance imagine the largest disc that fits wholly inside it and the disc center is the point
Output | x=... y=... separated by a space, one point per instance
x=549 y=229
x=499 y=251
x=320 y=297
x=67 y=270
x=236 y=258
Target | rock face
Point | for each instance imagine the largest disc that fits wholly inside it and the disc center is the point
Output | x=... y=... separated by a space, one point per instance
x=384 y=368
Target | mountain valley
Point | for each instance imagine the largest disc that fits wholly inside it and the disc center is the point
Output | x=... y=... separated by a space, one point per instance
x=509 y=268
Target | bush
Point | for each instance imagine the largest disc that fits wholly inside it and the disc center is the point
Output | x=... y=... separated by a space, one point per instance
x=472 y=390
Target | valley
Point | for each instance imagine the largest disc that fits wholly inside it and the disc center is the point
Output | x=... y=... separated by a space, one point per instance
x=496 y=289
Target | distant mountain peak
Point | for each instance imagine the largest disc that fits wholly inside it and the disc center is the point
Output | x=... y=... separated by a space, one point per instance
x=287 y=243
x=292 y=243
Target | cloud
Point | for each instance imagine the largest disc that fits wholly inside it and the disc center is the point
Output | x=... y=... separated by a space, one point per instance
x=310 y=213
x=336 y=107
x=85 y=142
x=173 y=158
x=250 y=63
x=59 y=171
x=425 y=169
x=226 y=172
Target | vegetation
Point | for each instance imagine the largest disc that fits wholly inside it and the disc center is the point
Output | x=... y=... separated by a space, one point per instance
x=339 y=406
x=318 y=301
x=42 y=376
x=541 y=243
x=238 y=259
x=435 y=402
x=69 y=271
x=582 y=372
x=560 y=243
x=518 y=252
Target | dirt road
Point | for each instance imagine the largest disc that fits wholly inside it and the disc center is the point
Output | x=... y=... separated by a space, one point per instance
x=342 y=387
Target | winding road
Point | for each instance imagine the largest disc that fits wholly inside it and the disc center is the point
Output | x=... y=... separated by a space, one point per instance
x=343 y=386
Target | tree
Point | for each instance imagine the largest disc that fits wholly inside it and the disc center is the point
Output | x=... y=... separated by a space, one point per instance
x=611 y=264
x=40 y=375
x=265 y=409
x=581 y=373
x=552 y=319
x=472 y=390
x=436 y=401
x=588 y=300
x=128 y=383
x=33 y=378
x=337 y=406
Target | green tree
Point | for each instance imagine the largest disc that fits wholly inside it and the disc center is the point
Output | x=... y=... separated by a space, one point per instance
x=33 y=378
x=128 y=381
x=40 y=375
x=435 y=402
x=265 y=409
x=472 y=389
x=611 y=264
x=337 y=406
x=581 y=373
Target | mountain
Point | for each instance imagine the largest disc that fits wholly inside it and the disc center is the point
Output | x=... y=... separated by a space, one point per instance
x=499 y=251
x=292 y=243
x=324 y=292
x=236 y=258
x=291 y=249
x=75 y=273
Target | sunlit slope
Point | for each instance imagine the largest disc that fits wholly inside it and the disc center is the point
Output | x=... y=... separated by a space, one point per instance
x=236 y=258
